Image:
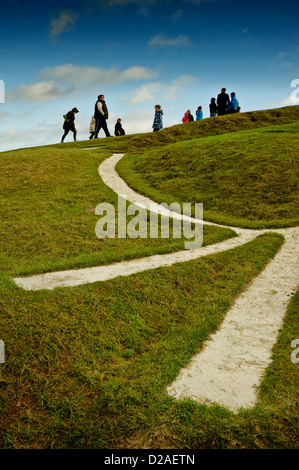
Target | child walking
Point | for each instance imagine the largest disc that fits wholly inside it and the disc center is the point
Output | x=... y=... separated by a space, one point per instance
x=92 y=127
x=158 y=122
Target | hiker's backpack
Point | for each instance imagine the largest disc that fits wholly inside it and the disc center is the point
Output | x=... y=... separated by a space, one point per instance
x=66 y=118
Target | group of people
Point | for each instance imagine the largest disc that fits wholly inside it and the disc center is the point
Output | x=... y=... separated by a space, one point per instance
x=223 y=105
x=188 y=117
x=98 y=121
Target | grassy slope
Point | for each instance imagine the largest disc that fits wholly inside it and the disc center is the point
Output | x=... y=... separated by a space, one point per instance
x=87 y=367
x=48 y=200
x=247 y=179
x=199 y=129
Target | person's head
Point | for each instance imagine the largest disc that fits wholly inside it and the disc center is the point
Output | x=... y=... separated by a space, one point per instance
x=101 y=97
x=75 y=110
x=188 y=111
x=157 y=107
x=119 y=120
x=213 y=100
x=199 y=108
x=232 y=94
x=223 y=90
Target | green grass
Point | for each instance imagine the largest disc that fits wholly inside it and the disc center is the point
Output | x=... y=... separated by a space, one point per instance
x=247 y=179
x=193 y=130
x=47 y=205
x=87 y=367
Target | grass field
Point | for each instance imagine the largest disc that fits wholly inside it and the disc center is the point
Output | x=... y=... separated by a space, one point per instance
x=87 y=367
x=248 y=179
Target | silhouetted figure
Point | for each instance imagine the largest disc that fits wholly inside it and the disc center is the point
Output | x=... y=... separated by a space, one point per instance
x=118 y=130
x=222 y=102
x=69 y=124
x=213 y=107
x=191 y=118
x=101 y=116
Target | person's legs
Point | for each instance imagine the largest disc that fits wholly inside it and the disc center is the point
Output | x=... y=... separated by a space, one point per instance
x=97 y=128
x=64 y=135
x=105 y=128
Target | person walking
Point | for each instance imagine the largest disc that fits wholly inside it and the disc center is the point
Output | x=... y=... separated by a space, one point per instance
x=158 y=122
x=233 y=106
x=92 y=127
x=213 y=107
x=223 y=102
x=199 y=113
x=69 y=124
x=101 y=116
x=118 y=130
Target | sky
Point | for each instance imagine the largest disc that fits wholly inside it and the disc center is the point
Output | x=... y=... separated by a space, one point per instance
x=57 y=55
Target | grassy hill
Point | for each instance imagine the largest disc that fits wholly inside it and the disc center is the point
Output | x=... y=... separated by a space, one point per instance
x=87 y=367
x=247 y=178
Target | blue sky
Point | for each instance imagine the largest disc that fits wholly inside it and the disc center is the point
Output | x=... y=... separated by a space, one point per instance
x=56 y=55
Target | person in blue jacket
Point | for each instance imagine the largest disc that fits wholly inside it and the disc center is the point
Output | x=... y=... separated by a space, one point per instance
x=199 y=113
x=233 y=106
x=158 y=122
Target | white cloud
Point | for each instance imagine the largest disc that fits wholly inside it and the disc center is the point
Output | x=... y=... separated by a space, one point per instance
x=88 y=76
x=63 y=23
x=155 y=90
x=159 y=40
x=146 y=92
x=37 y=92
x=137 y=73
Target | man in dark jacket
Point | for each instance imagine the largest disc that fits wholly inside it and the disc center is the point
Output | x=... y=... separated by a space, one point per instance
x=69 y=124
x=101 y=115
x=222 y=102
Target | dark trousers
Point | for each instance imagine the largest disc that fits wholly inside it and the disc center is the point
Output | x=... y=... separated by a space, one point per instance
x=101 y=124
x=66 y=133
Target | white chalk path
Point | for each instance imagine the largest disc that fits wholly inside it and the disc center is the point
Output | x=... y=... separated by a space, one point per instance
x=233 y=361
x=76 y=277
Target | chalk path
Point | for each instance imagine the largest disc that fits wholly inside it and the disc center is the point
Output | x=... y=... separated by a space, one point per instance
x=229 y=368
